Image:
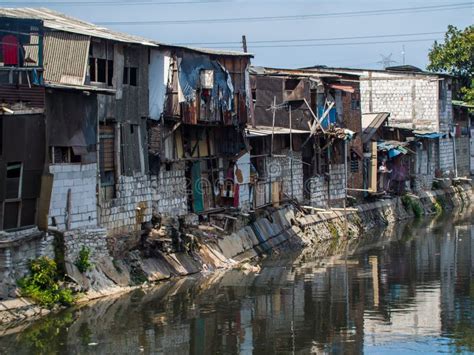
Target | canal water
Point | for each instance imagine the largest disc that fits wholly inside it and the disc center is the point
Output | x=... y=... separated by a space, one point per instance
x=406 y=289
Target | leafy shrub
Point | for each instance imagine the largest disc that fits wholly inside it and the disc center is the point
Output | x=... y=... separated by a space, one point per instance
x=413 y=204
x=42 y=285
x=83 y=262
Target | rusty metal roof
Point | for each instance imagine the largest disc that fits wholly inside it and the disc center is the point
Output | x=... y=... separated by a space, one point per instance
x=290 y=72
x=61 y=22
x=209 y=51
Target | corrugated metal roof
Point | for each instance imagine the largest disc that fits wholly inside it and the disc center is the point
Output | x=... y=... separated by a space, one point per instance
x=260 y=131
x=209 y=51
x=58 y=21
x=290 y=72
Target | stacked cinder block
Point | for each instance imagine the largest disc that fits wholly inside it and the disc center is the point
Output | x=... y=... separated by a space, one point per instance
x=318 y=191
x=81 y=180
x=463 y=156
x=337 y=182
x=290 y=173
x=131 y=207
x=169 y=191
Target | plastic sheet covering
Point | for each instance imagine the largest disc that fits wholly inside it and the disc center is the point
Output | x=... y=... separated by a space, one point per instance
x=190 y=67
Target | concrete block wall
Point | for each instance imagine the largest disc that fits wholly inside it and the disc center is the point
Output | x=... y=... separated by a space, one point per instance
x=411 y=100
x=337 y=182
x=81 y=179
x=93 y=239
x=446 y=156
x=131 y=207
x=463 y=156
x=291 y=174
x=169 y=191
x=318 y=188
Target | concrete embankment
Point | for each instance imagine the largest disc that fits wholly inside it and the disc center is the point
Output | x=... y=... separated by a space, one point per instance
x=287 y=227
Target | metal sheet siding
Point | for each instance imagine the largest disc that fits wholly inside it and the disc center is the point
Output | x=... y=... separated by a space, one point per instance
x=65 y=57
x=33 y=97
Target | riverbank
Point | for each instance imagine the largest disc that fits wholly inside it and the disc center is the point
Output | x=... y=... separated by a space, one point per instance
x=275 y=229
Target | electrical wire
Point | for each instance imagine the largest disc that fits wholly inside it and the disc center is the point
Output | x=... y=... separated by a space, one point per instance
x=392 y=11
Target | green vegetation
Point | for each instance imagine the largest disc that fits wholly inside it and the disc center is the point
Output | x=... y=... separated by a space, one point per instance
x=413 y=204
x=43 y=284
x=83 y=262
x=333 y=230
x=456 y=57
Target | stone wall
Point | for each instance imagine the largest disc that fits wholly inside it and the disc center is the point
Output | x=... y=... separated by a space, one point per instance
x=463 y=156
x=81 y=180
x=290 y=173
x=94 y=239
x=16 y=251
x=169 y=190
x=131 y=207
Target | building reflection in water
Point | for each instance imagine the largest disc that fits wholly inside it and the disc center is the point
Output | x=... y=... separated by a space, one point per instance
x=414 y=284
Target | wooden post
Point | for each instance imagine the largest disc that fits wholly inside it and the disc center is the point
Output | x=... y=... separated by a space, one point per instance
x=291 y=155
x=373 y=168
x=273 y=124
x=244 y=43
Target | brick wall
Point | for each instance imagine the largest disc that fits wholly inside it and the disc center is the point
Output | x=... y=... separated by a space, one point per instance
x=318 y=188
x=169 y=190
x=131 y=207
x=337 y=182
x=81 y=180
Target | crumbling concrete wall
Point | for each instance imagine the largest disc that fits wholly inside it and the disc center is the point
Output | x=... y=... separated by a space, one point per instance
x=131 y=207
x=81 y=180
x=16 y=251
x=169 y=190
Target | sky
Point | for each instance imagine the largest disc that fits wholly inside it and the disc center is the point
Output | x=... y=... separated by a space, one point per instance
x=390 y=34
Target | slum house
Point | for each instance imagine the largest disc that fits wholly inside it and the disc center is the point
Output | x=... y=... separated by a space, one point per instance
x=94 y=86
x=324 y=111
x=22 y=121
x=395 y=159
x=199 y=102
x=415 y=99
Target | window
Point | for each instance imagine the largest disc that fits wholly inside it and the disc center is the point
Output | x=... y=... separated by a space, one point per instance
x=101 y=71
x=14 y=174
x=63 y=155
x=130 y=76
x=355 y=104
x=291 y=84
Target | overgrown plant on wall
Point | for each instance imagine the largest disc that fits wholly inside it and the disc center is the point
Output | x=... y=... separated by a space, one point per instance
x=412 y=204
x=43 y=285
x=83 y=262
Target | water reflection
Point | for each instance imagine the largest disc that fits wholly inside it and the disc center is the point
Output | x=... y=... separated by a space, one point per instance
x=411 y=289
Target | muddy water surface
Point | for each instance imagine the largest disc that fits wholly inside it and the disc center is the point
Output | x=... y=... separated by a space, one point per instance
x=408 y=289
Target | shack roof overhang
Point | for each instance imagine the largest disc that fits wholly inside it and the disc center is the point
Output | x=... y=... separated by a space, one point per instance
x=208 y=51
x=263 y=131
x=293 y=73
x=428 y=134
x=95 y=89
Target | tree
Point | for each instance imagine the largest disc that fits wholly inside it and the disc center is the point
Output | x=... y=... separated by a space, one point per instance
x=456 y=57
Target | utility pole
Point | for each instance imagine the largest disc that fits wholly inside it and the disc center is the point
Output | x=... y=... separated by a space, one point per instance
x=244 y=43
x=403 y=54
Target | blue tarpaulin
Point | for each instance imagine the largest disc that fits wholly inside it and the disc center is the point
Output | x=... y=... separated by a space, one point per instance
x=190 y=69
x=330 y=119
x=432 y=135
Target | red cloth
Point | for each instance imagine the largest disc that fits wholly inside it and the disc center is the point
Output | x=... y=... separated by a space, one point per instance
x=10 y=50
